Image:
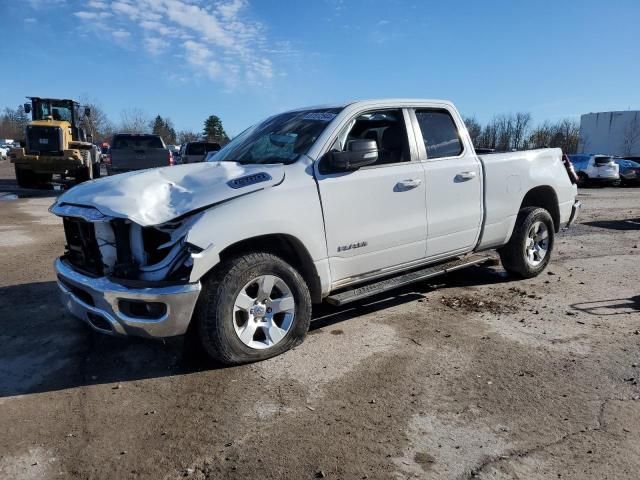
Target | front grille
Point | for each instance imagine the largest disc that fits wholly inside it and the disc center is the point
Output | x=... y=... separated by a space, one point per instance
x=82 y=247
x=43 y=139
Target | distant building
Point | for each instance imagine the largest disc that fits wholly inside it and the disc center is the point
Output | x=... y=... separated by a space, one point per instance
x=610 y=133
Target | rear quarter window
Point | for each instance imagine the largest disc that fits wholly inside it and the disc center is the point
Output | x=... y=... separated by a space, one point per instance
x=439 y=133
x=136 y=142
x=196 y=149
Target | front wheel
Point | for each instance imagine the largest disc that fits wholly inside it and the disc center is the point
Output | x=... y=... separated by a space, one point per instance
x=529 y=249
x=26 y=178
x=252 y=307
x=82 y=174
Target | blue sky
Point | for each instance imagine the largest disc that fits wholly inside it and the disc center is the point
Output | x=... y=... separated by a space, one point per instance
x=245 y=59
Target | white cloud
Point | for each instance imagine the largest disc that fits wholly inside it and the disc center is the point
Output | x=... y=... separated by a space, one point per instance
x=98 y=4
x=30 y=20
x=216 y=40
x=121 y=34
x=91 y=15
x=37 y=4
x=154 y=45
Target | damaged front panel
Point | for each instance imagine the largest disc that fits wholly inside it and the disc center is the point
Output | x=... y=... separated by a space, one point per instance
x=123 y=250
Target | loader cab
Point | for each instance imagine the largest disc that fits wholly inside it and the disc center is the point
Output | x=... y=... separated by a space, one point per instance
x=57 y=110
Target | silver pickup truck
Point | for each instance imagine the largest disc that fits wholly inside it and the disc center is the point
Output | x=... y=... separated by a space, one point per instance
x=136 y=152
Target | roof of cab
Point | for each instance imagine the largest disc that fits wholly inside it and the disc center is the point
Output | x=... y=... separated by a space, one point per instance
x=376 y=102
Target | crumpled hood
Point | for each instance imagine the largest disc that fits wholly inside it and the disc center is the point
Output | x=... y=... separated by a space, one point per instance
x=155 y=196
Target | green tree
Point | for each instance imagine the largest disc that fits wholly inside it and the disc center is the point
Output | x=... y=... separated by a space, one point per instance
x=214 y=131
x=164 y=128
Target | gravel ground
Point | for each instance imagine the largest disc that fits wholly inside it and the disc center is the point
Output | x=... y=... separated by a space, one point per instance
x=473 y=375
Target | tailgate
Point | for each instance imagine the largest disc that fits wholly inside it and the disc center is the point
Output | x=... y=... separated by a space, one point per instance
x=137 y=159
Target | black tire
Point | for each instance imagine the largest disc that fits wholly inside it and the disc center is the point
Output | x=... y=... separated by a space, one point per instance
x=214 y=313
x=82 y=174
x=26 y=178
x=96 y=170
x=43 y=179
x=513 y=255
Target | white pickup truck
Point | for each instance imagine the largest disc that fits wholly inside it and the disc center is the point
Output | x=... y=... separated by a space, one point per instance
x=332 y=203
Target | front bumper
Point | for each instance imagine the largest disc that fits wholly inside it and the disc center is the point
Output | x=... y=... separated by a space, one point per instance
x=575 y=210
x=97 y=301
x=67 y=162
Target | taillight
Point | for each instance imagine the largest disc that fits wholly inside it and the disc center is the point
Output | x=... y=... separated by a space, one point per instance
x=107 y=158
x=171 y=162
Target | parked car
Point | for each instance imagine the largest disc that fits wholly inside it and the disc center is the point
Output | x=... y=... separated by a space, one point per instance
x=4 y=151
x=136 y=152
x=335 y=203
x=194 y=152
x=104 y=151
x=595 y=169
x=629 y=171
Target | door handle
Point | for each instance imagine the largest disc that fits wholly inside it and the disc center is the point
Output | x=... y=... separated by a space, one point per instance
x=464 y=176
x=409 y=184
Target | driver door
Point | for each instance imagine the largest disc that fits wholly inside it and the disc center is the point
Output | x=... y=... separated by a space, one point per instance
x=375 y=217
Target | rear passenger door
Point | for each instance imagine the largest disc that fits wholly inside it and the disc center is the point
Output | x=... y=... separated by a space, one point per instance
x=453 y=180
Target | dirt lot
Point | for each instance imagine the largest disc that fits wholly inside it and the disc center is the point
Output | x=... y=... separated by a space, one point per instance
x=471 y=376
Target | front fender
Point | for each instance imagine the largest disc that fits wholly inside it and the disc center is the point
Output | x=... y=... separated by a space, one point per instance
x=292 y=208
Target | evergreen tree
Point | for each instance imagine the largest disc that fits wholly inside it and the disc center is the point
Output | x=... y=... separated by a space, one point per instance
x=214 y=131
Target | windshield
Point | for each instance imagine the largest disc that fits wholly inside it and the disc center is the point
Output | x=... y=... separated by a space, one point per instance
x=603 y=160
x=55 y=110
x=279 y=139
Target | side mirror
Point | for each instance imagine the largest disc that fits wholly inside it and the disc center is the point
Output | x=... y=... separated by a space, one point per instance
x=27 y=108
x=87 y=112
x=359 y=154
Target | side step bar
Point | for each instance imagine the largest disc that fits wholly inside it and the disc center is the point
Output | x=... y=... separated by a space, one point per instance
x=371 y=289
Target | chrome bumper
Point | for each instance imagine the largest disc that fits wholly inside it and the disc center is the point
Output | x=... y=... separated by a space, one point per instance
x=575 y=210
x=97 y=302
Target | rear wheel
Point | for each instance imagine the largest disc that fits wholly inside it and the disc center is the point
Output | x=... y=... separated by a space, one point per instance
x=252 y=307
x=26 y=178
x=96 y=170
x=529 y=249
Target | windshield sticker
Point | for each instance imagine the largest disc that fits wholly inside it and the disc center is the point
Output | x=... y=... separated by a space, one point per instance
x=320 y=116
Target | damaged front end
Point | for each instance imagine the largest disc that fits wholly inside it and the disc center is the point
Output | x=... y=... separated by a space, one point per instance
x=124 y=251
x=125 y=279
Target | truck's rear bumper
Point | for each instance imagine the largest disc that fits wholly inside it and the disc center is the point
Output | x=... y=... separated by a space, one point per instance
x=100 y=303
x=575 y=210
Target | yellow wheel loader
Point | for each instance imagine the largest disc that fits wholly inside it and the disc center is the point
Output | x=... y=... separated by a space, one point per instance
x=55 y=143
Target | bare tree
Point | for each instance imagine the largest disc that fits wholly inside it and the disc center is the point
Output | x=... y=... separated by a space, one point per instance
x=489 y=136
x=13 y=123
x=521 y=126
x=631 y=137
x=134 y=120
x=474 y=128
x=97 y=124
x=185 y=136
x=541 y=135
x=565 y=135
x=504 y=124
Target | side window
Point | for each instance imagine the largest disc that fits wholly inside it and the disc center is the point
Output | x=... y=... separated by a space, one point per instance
x=386 y=127
x=439 y=133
